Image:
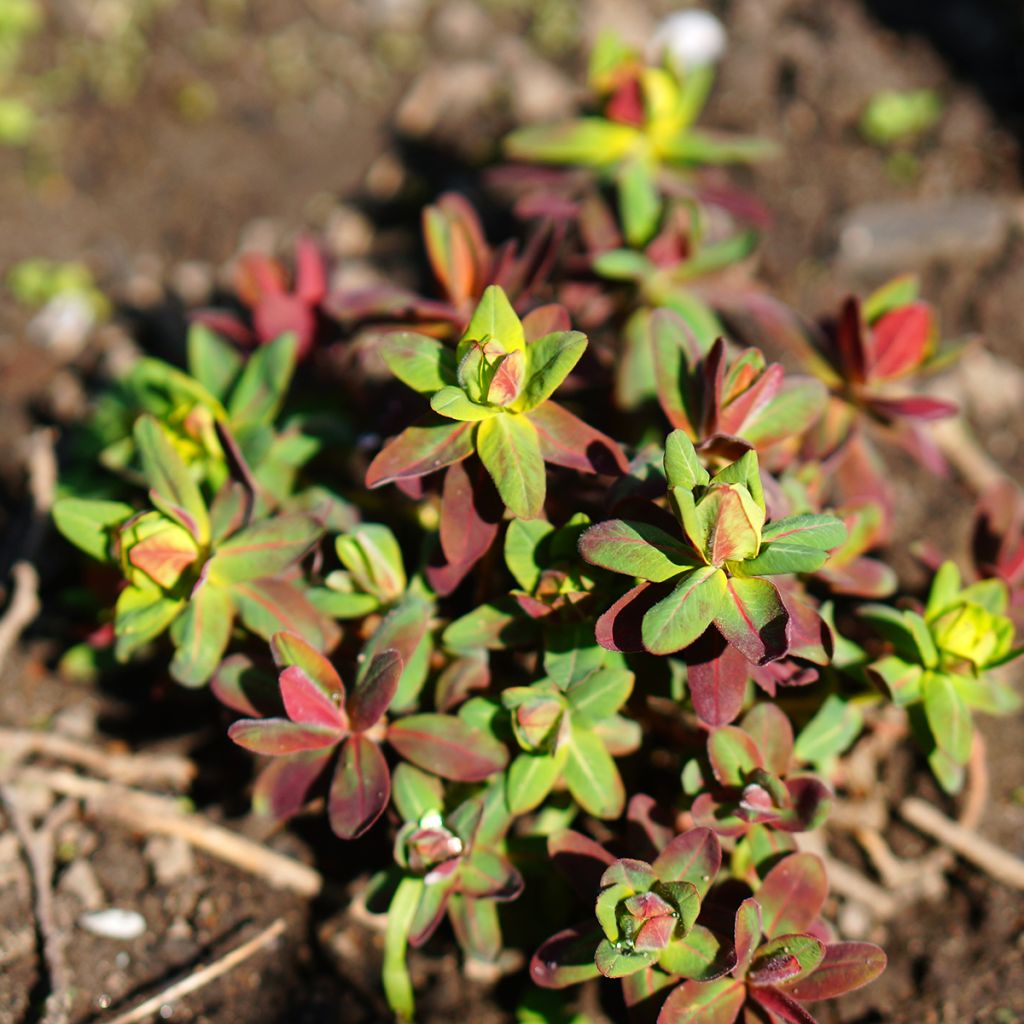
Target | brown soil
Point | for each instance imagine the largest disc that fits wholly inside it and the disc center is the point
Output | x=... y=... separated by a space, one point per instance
x=140 y=191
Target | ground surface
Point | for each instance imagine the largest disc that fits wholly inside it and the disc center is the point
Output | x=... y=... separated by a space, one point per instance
x=155 y=193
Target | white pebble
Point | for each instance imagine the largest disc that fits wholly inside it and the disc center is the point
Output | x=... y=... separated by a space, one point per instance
x=689 y=39
x=114 y=923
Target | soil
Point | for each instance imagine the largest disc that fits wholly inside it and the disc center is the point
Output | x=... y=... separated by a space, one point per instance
x=147 y=197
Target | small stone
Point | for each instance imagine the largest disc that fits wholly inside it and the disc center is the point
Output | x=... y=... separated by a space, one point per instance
x=882 y=238
x=193 y=282
x=77 y=721
x=348 y=233
x=63 y=325
x=170 y=857
x=854 y=920
x=114 y=923
x=80 y=881
x=462 y=27
x=450 y=91
x=688 y=39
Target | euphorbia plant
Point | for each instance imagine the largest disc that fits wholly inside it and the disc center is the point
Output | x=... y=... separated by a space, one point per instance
x=943 y=662
x=322 y=720
x=491 y=397
x=707 y=569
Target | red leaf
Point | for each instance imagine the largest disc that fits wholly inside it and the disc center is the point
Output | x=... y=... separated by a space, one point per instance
x=447 y=746
x=581 y=860
x=920 y=407
x=716 y=674
x=276 y=736
x=545 y=320
x=565 y=440
x=360 y=789
x=310 y=272
x=746 y=406
x=847 y=966
x=282 y=786
x=471 y=514
x=619 y=628
x=899 y=341
x=421 y=449
x=792 y=894
x=308 y=704
x=775 y=1002
x=375 y=690
x=282 y=314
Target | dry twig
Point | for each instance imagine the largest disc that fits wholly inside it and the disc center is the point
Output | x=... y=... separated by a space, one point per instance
x=128 y=769
x=38 y=847
x=144 y=812
x=992 y=859
x=21 y=610
x=203 y=976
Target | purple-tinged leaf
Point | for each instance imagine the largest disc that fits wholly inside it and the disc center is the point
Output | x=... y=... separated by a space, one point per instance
x=545 y=320
x=770 y=729
x=714 y=1002
x=620 y=628
x=421 y=449
x=747 y=934
x=471 y=514
x=850 y=342
x=291 y=649
x=566 y=958
x=477 y=927
x=753 y=619
x=792 y=894
x=360 y=788
x=272 y=605
x=447 y=746
x=734 y=755
x=581 y=860
x=846 y=966
x=265 y=548
x=810 y=801
x=785 y=958
x=642 y=814
x=694 y=856
x=468 y=672
x=921 y=407
x=637 y=549
x=565 y=440
x=276 y=736
x=779 y=1005
x=716 y=674
x=376 y=688
x=282 y=787
x=307 y=703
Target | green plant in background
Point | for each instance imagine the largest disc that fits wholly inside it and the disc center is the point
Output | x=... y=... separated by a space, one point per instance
x=944 y=662
x=893 y=116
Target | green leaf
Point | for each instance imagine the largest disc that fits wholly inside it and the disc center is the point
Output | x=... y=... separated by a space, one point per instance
x=213 y=362
x=746 y=471
x=141 y=614
x=820 y=532
x=678 y=620
x=530 y=779
x=397 y=983
x=589 y=141
x=698 y=955
x=835 y=725
x=264 y=549
x=728 y=523
x=622 y=265
x=601 y=694
x=591 y=775
x=550 y=360
x=170 y=479
x=419 y=362
x=509 y=448
x=263 y=385
x=636 y=549
x=639 y=201
x=372 y=556
x=682 y=466
x=949 y=718
x=700 y=149
x=614 y=961
x=733 y=754
x=495 y=320
x=781 y=557
x=201 y=634
x=522 y=539
x=452 y=402
x=88 y=524
x=415 y=792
